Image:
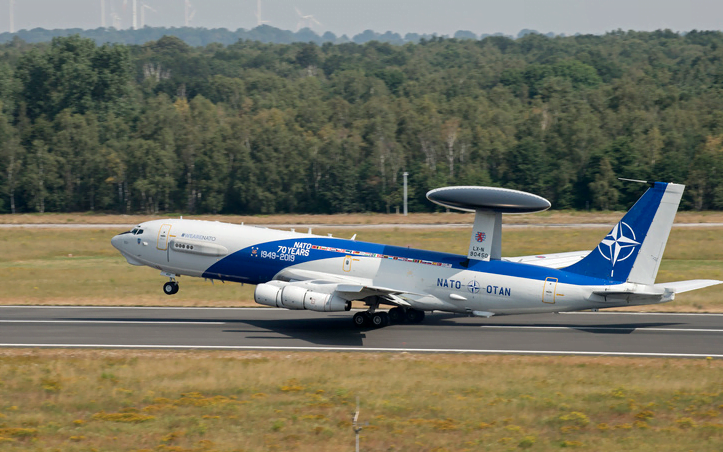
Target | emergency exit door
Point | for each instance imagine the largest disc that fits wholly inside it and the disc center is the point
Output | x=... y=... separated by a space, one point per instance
x=162 y=243
x=548 y=293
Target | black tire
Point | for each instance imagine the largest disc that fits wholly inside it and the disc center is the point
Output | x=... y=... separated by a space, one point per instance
x=175 y=288
x=361 y=319
x=377 y=320
x=396 y=315
x=414 y=316
x=170 y=288
x=385 y=317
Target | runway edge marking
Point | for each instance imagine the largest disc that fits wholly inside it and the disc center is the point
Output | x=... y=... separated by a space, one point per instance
x=370 y=349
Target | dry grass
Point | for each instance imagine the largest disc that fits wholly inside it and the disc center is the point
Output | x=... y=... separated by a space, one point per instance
x=192 y=401
x=549 y=217
x=66 y=266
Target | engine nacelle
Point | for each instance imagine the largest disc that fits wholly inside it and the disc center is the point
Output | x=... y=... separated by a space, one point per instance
x=280 y=294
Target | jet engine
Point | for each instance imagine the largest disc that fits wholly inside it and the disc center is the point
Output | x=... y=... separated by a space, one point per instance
x=315 y=297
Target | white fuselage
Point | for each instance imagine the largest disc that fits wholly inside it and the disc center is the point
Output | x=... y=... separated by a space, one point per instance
x=428 y=280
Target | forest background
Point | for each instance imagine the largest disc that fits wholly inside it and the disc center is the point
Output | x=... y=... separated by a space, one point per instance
x=260 y=128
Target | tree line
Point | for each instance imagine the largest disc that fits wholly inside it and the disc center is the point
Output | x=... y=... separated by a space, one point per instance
x=254 y=127
x=204 y=36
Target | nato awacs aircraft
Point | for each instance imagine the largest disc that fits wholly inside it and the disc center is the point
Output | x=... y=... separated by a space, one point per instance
x=304 y=271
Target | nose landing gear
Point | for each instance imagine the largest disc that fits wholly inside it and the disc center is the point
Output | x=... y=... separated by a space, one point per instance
x=170 y=288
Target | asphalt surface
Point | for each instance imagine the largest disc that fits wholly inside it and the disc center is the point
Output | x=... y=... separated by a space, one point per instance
x=600 y=333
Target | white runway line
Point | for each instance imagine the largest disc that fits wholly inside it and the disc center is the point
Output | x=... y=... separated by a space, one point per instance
x=710 y=314
x=512 y=327
x=269 y=309
x=253 y=308
x=610 y=328
x=120 y=322
x=371 y=349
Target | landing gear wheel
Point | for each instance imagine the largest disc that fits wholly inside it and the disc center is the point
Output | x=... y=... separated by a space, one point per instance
x=170 y=288
x=414 y=316
x=396 y=315
x=385 y=317
x=361 y=319
x=377 y=319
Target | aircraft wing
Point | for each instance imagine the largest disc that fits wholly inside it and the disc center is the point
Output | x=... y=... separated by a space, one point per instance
x=346 y=287
x=557 y=260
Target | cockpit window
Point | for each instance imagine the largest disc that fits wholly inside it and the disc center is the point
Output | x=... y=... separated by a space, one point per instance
x=134 y=230
x=140 y=231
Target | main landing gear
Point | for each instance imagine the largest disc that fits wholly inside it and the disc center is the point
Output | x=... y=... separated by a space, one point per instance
x=373 y=319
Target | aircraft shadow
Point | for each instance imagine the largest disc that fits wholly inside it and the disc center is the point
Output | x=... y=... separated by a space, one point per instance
x=336 y=331
x=327 y=331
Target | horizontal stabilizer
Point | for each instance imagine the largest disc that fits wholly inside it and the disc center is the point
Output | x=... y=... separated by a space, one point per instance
x=638 y=298
x=686 y=286
x=659 y=293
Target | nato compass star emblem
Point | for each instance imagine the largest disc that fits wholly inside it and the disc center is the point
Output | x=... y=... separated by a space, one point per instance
x=473 y=286
x=620 y=243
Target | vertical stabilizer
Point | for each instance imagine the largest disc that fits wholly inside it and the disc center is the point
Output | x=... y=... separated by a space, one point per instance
x=486 y=240
x=646 y=266
x=634 y=247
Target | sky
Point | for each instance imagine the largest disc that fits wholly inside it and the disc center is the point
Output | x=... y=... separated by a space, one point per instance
x=351 y=17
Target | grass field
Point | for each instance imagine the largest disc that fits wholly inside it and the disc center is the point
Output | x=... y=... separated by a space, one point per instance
x=115 y=400
x=79 y=266
x=69 y=400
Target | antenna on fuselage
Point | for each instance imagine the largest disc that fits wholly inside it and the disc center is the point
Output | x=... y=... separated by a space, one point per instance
x=637 y=181
x=353 y=237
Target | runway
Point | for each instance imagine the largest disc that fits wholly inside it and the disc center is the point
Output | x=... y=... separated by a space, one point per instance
x=601 y=333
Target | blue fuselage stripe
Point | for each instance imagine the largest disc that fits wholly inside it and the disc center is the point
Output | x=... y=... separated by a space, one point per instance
x=261 y=262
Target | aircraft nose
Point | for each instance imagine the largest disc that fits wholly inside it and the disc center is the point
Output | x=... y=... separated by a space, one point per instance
x=117 y=241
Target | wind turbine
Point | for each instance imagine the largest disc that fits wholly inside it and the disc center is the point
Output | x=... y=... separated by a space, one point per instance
x=102 y=14
x=115 y=18
x=307 y=20
x=189 y=13
x=259 y=22
x=135 y=14
x=12 y=16
x=145 y=6
x=125 y=7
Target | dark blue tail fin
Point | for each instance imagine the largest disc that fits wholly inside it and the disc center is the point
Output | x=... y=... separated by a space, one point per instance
x=633 y=249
